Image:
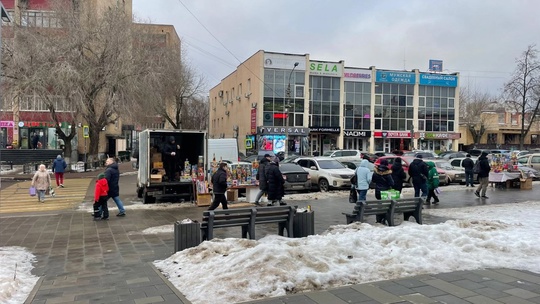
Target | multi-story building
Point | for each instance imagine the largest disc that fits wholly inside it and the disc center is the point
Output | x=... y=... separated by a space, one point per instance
x=289 y=102
x=21 y=118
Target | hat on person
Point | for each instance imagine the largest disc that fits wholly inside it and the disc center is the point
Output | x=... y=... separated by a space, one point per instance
x=419 y=156
x=59 y=156
x=468 y=155
x=100 y=176
x=384 y=162
x=267 y=155
x=275 y=159
x=484 y=153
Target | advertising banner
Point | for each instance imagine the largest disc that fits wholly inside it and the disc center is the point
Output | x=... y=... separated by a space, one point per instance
x=395 y=77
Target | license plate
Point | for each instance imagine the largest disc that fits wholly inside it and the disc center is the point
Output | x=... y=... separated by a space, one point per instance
x=298 y=187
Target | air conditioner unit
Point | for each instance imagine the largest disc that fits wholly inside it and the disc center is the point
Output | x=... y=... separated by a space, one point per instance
x=227 y=113
x=238 y=98
x=231 y=101
x=254 y=105
x=220 y=93
x=235 y=128
x=247 y=95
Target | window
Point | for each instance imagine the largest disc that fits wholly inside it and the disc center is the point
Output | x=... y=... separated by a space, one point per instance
x=492 y=138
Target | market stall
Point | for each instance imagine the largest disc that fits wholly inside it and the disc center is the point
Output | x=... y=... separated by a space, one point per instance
x=505 y=173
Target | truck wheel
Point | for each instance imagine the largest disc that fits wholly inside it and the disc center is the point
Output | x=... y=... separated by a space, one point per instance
x=323 y=185
x=148 y=199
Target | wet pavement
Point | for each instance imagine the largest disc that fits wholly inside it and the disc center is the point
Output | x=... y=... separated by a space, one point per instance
x=82 y=261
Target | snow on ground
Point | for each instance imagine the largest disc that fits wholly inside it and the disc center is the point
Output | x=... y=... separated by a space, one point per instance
x=233 y=270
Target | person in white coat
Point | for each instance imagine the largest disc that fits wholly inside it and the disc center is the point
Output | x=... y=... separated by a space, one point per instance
x=363 y=176
x=41 y=181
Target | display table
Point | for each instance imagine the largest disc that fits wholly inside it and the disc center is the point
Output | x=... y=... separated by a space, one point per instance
x=251 y=191
x=501 y=177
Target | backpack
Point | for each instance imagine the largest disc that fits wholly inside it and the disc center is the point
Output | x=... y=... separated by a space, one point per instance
x=476 y=168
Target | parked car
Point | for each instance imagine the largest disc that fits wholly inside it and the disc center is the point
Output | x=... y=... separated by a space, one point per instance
x=425 y=154
x=350 y=155
x=453 y=175
x=457 y=163
x=326 y=173
x=296 y=178
x=500 y=151
x=382 y=153
x=530 y=160
x=477 y=152
x=406 y=160
x=354 y=164
x=452 y=154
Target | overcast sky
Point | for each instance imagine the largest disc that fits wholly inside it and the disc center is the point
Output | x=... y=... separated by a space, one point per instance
x=479 y=39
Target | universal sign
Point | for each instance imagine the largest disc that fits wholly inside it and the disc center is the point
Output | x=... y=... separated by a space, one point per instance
x=283 y=130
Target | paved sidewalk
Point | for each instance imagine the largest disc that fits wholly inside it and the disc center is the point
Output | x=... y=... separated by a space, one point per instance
x=82 y=261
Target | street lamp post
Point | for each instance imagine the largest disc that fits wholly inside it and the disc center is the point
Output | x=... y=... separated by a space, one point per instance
x=412 y=137
x=287 y=106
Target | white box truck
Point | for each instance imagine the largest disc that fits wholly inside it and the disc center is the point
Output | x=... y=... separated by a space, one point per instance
x=151 y=142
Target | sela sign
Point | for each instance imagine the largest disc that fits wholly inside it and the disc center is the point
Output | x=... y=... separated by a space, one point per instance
x=393 y=134
x=357 y=75
x=353 y=133
x=325 y=68
x=395 y=77
x=283 y=130
x=438 y=80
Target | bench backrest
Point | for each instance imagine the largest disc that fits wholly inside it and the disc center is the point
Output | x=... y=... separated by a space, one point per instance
x=228 y=217
x=407 y=205
x=373 y=207
x=275 y=214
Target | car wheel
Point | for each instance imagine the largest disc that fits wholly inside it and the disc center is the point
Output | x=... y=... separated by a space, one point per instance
x=323 y=185
x=447 y=181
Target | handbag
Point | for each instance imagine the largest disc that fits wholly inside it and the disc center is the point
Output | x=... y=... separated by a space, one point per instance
x=353 y=196
x=390 y=194
x=32 y=191
x=437 y=190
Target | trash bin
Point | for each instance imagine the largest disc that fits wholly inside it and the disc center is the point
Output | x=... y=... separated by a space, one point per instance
x=303 y=224
x=187 y=234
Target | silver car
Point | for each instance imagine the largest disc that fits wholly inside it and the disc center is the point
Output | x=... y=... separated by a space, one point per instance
x=453 y=175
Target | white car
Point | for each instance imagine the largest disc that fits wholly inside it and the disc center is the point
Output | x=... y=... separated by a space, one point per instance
x=326 y=172
x=345 y=155
x=453 y=175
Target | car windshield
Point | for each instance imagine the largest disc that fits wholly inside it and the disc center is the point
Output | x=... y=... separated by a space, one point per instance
x=444 y=165
x=330 y=164
x=328 y=153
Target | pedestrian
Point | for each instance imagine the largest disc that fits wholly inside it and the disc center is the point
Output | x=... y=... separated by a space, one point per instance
x=398 y=174
x=363 y=177
x=418 y=172
x=41 y=181
x=432 y=182
x=219 y=187
x=170 y=149
x=101 y=211
x=468 y=165
x=382 y=177
x=35 y=141
x=483 y=175
x=112 y=174
x=261 y=177
x=275 y=180
x=58 y=167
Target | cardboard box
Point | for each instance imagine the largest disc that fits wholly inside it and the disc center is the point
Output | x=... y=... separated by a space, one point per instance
x=157 y=165
x=232 y=195
x=525 y=184
x=204 y=199
x=156 y=178
x=156 y=157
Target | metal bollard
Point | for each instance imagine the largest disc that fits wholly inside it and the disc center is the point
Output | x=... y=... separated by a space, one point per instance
x=186 y=235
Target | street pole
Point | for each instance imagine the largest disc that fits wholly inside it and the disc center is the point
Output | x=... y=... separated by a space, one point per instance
x=287 y=106
x=412 y=137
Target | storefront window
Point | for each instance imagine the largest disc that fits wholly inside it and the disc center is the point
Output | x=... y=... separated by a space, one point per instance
x=358 y=105
x=325 y=96
x=277 y=103
x=397 y=101
x=439 y=107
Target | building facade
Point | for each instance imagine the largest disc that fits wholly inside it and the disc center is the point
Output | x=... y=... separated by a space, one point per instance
x=293 y=104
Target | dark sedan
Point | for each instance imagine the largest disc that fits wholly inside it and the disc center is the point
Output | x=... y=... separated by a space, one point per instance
x=296 y=178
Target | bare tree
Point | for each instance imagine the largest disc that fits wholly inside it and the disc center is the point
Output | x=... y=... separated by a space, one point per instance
x=523 y=90
x=473 y=106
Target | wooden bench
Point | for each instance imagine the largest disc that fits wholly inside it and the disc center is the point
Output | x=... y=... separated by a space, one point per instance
x=384 y=210
x=247 y=218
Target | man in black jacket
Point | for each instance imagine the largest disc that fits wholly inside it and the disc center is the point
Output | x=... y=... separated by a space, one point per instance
x=419 y=171
x=219 y=187
x=112 y=174
x=261 y=177
x=468 y=165
x=483 y=175
x=275 y=180
x=169 y=158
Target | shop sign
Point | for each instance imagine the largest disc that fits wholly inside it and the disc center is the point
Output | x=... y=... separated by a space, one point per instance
x=392 y=134
x=7 y=124
x=325 y=68
x=426 y=135
x=253 y=121
x=282 y=61
x=357 y=75
x=353 y=133
x=283 y=130
x=335 y=130
x=438 y=80
x=46 y=124
x=395 y=77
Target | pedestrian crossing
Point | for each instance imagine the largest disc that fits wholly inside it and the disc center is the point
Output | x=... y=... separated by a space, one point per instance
x=16 y=198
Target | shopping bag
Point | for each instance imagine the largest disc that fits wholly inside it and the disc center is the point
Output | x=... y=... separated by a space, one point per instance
x=437 y=191
x=390 y=194
x=32 y=191
x=353 y=196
